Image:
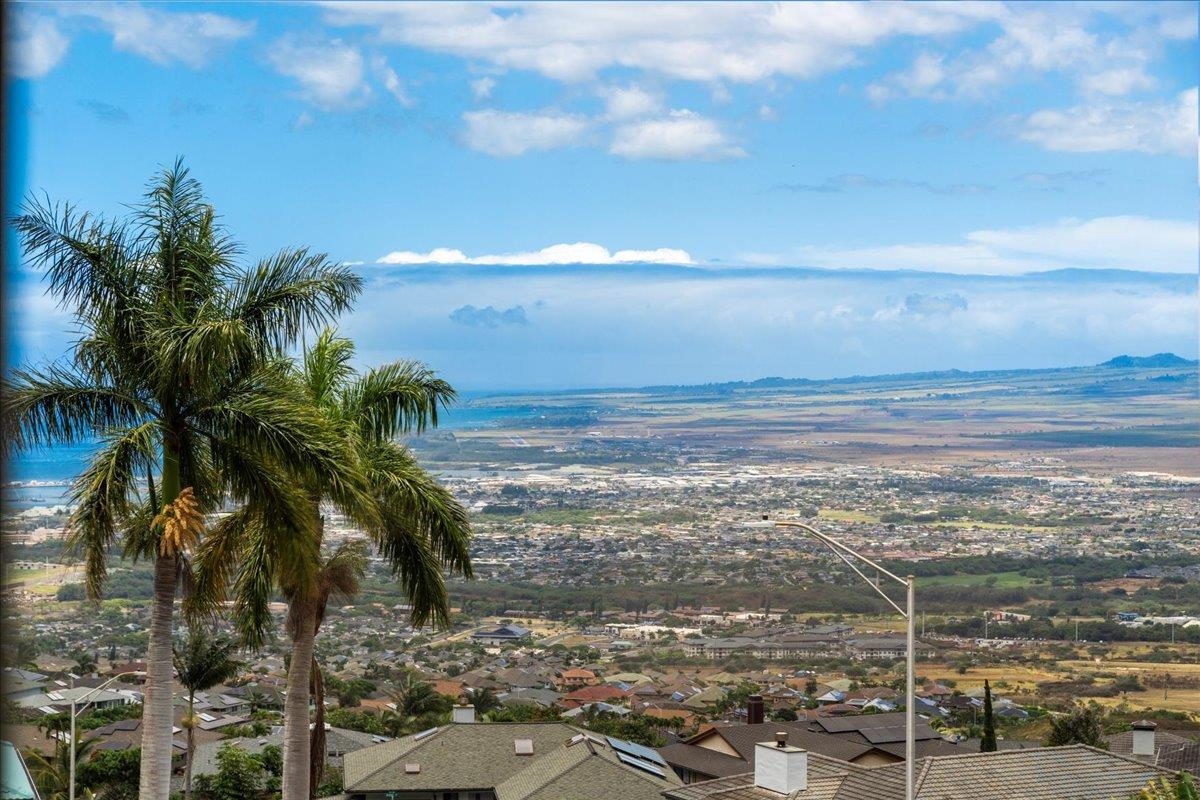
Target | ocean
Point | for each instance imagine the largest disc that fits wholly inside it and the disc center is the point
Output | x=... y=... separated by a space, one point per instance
x=42 y=478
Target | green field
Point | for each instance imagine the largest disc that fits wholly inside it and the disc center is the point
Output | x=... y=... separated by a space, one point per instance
x=1004 y=580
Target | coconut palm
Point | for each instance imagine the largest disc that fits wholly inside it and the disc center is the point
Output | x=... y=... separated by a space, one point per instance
x=178 y=372
x=413 y=522
x=201 y=662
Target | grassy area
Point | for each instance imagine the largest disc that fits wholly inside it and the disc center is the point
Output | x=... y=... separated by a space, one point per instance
x=1001 y=580
x=839 y=515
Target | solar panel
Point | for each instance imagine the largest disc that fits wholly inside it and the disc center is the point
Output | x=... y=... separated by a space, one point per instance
x=636 y=750
x=645 y=766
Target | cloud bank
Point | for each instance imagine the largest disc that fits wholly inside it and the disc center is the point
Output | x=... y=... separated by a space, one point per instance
x=577 y=253
x=1120 y=242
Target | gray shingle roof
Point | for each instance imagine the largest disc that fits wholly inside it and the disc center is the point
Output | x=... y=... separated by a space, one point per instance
x=1077 y=772
x=483 y=756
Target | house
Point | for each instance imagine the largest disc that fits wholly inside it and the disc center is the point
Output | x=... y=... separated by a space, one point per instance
x=506 y=761
x=593 y=694
x=57 y=700
x=1145 y=742
x=730 y=749
x=1074 y=772
x=885 y=734
x=570 y=679
x=505 y=634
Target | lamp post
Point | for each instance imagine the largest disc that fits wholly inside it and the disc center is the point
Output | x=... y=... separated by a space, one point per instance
x=847 y=555
x=74 y=701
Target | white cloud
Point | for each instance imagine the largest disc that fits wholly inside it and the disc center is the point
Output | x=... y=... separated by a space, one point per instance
x=1039 y=39
x=629 y=102
x=330 y=74
x=923 y=79
x=164 y=37
x=577 y=253
x=709 y=42
x=1104 y=127
x=1122 y=242
x=511 y=133
x=1117 y=82
x=482 y=88
x=681 y=135
x=1125 y=242
x=391 y=81
x=35 y=45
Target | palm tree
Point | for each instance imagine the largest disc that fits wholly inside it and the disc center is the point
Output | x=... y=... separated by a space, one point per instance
x=201 y=662
x=52 y=774
x=414 y=697
x=378 y=485
x=85 y=662
x=339 y=577
x=484 y=700
x=178 y=372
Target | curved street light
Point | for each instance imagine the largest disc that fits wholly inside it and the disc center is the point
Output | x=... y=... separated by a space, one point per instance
x=74 y=713
x=846 y=554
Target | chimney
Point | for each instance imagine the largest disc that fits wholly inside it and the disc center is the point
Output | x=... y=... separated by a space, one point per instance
x=779 y=767
x=1143 y=738
x=754 y=710
x=463 y=714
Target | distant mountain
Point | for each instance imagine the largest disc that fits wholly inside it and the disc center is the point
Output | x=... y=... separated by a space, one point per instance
x=1154 y=361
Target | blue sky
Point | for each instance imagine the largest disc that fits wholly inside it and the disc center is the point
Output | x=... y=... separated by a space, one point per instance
x=928 y=159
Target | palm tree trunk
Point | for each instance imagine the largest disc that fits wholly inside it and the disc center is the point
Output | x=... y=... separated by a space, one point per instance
x=316 y=743
x=155 y=776
x=296 y=753
x=191 y=746
x=155 y=781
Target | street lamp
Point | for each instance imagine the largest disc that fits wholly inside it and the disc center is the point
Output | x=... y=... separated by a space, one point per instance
x=846 y=554
x=74 y=701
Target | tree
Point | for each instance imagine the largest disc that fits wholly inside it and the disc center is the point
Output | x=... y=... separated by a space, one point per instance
x=239 y=776
x=52 y=774
x=85 y=662
x=201 y=662
x=178 y=372
x=1184 y=788
x=987 y=743
x=111 y=774
x=1082 y=725
x=411 y=520
x=484 y=700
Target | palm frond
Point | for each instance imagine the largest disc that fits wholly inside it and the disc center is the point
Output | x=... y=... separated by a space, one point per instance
x=340 y=575
x=90 y=264
x=408 y=492
x=327 y=367
x=53 y=405
x=203 y=660
x=104 y=498
x=290 y=292
x=396 y=398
